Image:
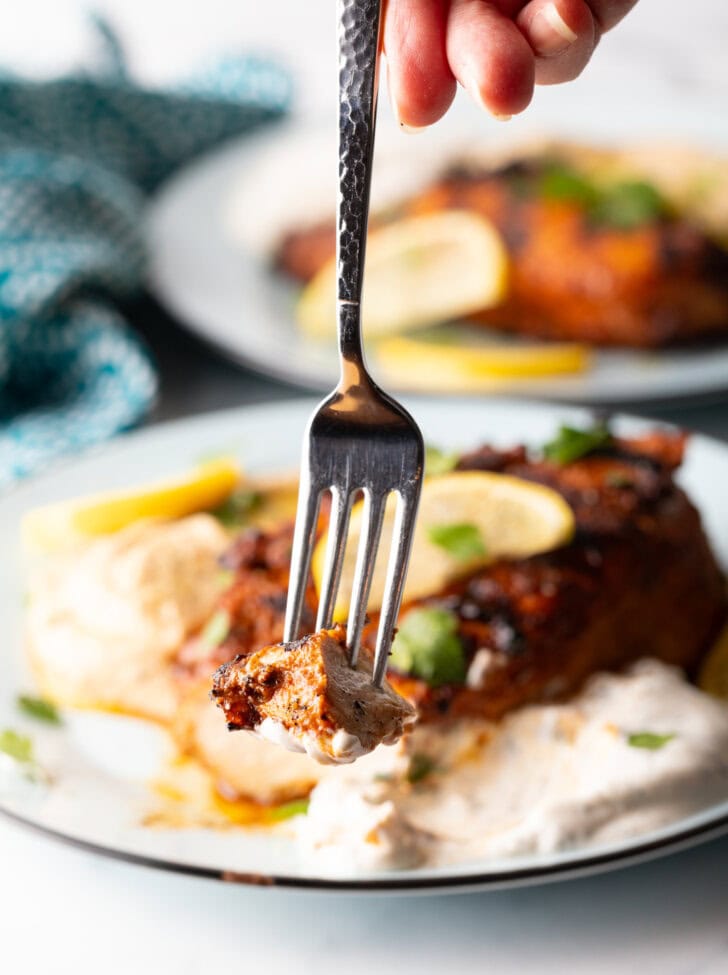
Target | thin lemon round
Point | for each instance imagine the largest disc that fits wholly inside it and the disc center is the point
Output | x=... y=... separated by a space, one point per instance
x=419 y=271
x=713 y=677
x=67 y=523
x=466 y=519
x=417 y=364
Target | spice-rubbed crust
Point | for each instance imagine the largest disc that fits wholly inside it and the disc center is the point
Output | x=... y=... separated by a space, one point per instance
x=638 y=580
x=658 y=282
x=306 y=696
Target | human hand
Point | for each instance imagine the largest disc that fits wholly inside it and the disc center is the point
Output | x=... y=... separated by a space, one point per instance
x=496 y=49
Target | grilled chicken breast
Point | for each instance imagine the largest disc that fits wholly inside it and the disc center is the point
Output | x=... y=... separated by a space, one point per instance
x=638 y=580
x=612 y=268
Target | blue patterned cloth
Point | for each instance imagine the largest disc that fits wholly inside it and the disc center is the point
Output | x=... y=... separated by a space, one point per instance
x=78 y=156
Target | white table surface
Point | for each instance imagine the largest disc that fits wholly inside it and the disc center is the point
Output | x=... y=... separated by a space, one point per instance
x=62 y=910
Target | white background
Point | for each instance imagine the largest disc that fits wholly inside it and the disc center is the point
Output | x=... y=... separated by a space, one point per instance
x=65 y=911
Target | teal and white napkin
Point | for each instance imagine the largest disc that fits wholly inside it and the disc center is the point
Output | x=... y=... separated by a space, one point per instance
x=78 y=157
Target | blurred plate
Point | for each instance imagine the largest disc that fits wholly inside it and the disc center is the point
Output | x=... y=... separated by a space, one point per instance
x=101 y=764
x=211 y=229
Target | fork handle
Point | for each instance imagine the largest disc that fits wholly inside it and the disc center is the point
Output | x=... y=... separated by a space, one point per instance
x=359 y=35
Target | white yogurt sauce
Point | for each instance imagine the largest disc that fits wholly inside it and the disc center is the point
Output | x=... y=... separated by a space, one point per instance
x=345 y=747
x=547 y=778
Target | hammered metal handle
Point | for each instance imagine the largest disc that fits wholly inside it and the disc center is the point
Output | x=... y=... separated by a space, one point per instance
x=359 y=29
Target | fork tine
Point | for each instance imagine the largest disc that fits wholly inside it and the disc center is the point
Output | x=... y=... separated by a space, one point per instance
x=309 y=501
x=371 y=530
x=341 y=500
x=396 y=574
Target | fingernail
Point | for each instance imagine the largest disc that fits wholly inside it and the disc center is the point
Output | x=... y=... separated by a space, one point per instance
x=471 y=85
x=549 y=33
x=408 y=129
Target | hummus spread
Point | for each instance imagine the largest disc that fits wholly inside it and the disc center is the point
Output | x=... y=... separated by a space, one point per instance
x=102 y=627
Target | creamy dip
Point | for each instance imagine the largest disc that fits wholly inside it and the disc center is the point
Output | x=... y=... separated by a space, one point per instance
x=630 y=754
x=103 y=625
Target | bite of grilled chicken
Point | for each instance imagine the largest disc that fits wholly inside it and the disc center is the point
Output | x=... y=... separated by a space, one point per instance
x=306 y=697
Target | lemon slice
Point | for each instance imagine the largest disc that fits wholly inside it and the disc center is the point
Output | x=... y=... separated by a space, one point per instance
x=466 y=519
x=412 y=363
x=66 y=523
x=419 y=271
x=713 y=677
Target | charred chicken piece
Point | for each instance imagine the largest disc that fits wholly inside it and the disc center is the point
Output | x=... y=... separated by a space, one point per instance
x=611 y=270
x=306 y=697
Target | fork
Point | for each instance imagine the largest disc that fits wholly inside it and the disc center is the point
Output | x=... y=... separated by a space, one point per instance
x=359 y=440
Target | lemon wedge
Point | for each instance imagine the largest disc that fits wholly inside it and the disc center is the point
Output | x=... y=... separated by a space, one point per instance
x=62 y=525
x=419 y=271
x=466 y=519
x=412 y=363
x=713 y=678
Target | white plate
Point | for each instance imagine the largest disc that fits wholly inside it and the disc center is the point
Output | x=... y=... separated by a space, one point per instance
x=215 y=279
x=101 y=763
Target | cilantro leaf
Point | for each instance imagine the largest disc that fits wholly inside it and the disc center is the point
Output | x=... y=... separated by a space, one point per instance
x=462 y=540
x=561 y=182
x=571 y=443
x=427 y=646
x=618 y=479
x=38 y=708
x=623 y=206
x=649 y=740
x=439 y=461
x=420 y=767
x=19 y=747
x=627 y=205
x=233 y=512
x=225 y=578
x=216 y=629
x=297 y=807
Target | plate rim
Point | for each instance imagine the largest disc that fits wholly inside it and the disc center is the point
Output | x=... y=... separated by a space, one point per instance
x=594 y=865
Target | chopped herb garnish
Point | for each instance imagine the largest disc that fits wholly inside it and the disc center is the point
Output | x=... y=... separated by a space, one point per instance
x=217 y=629
x=439 y=461
x=427 y=646
x=461 y=540
x=18 y=747
x=420 y=767
x=649 y=740
x=224 y=578
x=618 y=479
x=624 y=205
x=560 y=182
x=38 y=708
x=298 y=807
x=627 y=205
x=238 y=507
x=570 y=443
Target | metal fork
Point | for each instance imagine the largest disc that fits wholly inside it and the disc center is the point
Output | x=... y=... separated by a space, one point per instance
x=359 y=439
